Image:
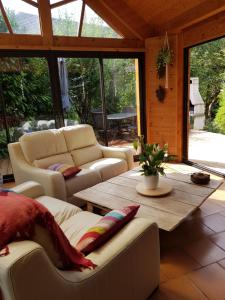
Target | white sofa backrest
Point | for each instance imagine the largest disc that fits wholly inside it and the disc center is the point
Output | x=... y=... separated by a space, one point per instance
x=79 y=136
x=82 y=143
x=65 y=158
x=42 y=144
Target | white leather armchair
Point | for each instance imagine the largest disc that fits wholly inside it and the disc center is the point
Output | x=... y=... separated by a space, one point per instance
x=127 y=265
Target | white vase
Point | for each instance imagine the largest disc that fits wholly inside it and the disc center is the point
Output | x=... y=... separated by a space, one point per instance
x=151 y=182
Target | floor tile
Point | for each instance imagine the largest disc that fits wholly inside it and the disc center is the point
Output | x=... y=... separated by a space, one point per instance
x=216 y=222
x=217 y=197
x=181 y=288
x=209 y=208
x=222 y=263
x=204 y=252
x=175 y=262
x=219 y=239
x=211 y=281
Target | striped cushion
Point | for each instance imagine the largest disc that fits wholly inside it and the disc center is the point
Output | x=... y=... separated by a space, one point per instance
x=66 y=170
x=106 y=228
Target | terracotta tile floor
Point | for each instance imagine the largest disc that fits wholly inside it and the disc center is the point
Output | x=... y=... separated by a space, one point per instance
x=193 y=255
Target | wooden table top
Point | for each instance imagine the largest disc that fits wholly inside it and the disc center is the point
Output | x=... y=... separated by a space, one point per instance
x=167 y=211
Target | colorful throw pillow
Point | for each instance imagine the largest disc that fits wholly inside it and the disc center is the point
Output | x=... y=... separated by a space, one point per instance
x=106 y=227
x=67 y=171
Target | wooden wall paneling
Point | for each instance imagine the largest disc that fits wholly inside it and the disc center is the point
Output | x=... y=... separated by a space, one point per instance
x=162 y=121
x=46 y=22
x=213 y=27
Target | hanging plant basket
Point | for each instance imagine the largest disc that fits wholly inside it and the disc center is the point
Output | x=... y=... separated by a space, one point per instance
x=164 y=58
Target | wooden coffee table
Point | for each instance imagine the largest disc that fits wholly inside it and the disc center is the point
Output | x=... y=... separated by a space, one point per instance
x=168 y=211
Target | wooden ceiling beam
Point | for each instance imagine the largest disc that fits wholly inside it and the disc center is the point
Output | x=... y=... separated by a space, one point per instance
x=116 y=13
x=203 y=11
x=46 y=22
x=35 y=4
x=60 y=3
x=204 y=31
x=35 y=42
x=5 y=18
x=81 y=18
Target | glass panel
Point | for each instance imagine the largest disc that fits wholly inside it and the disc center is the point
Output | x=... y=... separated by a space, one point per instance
x=66 y=18
x=23 y=17
x=3 y=27
x=207 y=105
x=94 y=26
x=120 y=93
x=27 y=95
x=80 y=88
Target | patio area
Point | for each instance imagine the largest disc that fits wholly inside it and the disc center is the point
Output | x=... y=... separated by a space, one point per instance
x=207 y=148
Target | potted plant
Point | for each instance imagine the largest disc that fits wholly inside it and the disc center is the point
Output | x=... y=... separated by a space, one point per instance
x=151 y=161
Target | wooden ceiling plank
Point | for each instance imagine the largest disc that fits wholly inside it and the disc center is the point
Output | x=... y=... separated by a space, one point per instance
x=35 y=4
x=46 y=22
x=81 y=18
x=113 y=19
x=60 y=3
x=205 y=30
x=5 y=18
x=195 y=15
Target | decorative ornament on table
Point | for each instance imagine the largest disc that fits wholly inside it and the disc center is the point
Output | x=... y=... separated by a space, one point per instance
x=164 y=58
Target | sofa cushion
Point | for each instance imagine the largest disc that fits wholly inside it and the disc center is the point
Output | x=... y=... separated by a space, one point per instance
x=105 y=228
x=107 y=167
x=82 y=180
x=77 y=225
x=44 y=163
x=66 y=170
x=61 y=210
x=87 y=154
x=41 y=144
x=79 y=136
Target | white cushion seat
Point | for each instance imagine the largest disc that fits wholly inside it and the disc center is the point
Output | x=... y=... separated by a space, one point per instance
x=107 y=167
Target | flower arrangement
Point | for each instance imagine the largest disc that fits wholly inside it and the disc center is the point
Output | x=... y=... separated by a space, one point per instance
x=164 y=58
x=152 y=158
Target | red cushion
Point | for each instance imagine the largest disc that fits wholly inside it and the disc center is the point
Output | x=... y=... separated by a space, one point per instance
x=106 y=227
x=66 y=170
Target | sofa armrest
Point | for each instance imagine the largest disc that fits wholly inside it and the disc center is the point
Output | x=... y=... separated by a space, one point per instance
x=52 y=181
x=129 y=259
x=124 y=153
x=30 y=189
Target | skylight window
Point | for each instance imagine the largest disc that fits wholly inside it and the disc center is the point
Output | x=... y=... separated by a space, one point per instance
x=95 y=26
x=66 y=18
x=23 y=17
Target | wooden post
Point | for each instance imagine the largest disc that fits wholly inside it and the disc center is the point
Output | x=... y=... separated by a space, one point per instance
x=102 y=90
x=56 y=91
x=137 y=83
x=46 y=22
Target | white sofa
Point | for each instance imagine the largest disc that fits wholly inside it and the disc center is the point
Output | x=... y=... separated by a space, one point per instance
x=73 y=145
x=127 y=265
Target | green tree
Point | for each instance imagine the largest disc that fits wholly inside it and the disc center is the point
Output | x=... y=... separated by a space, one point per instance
x=208 y=63
x=220 y=116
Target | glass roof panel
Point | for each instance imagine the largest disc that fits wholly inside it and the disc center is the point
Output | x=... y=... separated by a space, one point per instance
x=23 y=17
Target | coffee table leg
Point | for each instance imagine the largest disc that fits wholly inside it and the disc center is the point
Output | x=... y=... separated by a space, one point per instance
x=90 y=207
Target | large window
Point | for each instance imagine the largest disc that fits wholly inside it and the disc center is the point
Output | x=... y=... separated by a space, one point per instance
x=46 y=90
